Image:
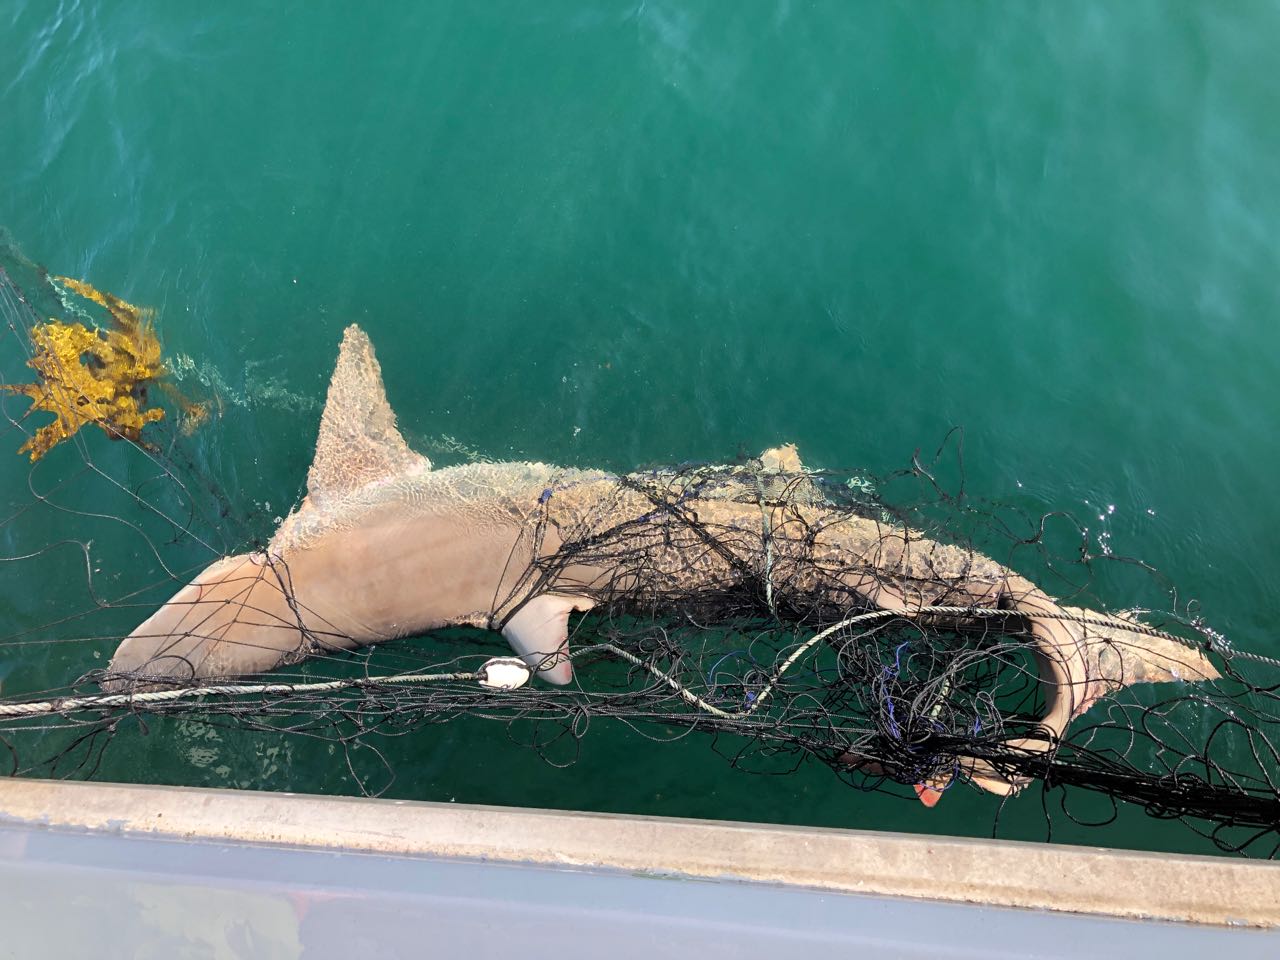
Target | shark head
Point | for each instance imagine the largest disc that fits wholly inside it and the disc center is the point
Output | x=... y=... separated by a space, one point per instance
x=381 y=547
x=241 y=614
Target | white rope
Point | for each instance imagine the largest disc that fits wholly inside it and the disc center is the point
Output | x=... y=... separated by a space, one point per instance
x=98 y=701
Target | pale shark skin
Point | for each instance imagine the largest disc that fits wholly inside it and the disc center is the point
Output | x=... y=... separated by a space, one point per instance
x=383 y=546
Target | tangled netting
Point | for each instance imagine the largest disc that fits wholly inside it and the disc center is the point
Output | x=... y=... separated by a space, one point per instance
x=938 y=697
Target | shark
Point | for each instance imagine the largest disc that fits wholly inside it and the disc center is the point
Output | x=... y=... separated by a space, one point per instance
x=385 y=546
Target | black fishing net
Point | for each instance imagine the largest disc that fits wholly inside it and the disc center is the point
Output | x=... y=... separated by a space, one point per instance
x=734 y=605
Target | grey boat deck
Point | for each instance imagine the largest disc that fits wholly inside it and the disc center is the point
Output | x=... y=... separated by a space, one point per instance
x=105 y=871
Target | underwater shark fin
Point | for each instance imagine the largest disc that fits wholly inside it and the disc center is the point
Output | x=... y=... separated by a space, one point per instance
x=358 y=442
x=782 y=459
x=539 y=632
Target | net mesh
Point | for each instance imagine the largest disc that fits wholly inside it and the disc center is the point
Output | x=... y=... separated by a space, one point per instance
x=783 y=651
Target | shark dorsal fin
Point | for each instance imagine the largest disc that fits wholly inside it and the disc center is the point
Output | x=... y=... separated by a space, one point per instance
x=783 y=459
x=359 y=442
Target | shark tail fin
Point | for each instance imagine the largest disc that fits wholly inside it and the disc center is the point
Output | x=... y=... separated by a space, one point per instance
x=1124 y=651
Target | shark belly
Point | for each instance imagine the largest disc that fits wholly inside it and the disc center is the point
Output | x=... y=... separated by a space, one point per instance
x=385 y=576
x=395 y=577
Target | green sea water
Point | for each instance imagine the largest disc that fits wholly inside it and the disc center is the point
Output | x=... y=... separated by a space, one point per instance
x=618 y=233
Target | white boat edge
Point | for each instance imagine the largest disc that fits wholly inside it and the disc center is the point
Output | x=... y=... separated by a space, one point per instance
x=1044 y=877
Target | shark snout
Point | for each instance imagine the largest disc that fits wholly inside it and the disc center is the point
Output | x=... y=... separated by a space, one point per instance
x=233 y=619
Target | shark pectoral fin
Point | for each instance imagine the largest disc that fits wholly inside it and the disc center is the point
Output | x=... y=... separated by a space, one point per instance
x=539 y=632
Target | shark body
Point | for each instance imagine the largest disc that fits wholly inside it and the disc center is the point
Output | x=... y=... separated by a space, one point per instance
x=383 y=546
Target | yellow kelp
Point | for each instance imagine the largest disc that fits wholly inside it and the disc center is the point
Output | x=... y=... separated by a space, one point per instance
x=92 y=376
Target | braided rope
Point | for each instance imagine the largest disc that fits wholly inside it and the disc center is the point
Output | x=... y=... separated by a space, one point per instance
x=100 y=701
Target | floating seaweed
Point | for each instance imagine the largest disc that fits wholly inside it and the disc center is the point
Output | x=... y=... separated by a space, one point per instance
x=93 y=376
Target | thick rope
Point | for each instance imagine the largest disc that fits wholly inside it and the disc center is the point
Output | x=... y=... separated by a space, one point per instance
x=99 y=701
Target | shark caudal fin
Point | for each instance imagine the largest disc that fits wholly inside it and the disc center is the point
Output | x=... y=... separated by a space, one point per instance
x=1121 y=651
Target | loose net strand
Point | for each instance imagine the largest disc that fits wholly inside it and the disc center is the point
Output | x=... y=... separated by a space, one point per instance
x=888 y=701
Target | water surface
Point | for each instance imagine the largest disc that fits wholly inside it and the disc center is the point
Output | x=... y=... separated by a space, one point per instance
x=606 y=234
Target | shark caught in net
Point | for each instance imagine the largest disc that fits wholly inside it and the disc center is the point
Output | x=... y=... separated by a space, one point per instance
x=799 y=614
